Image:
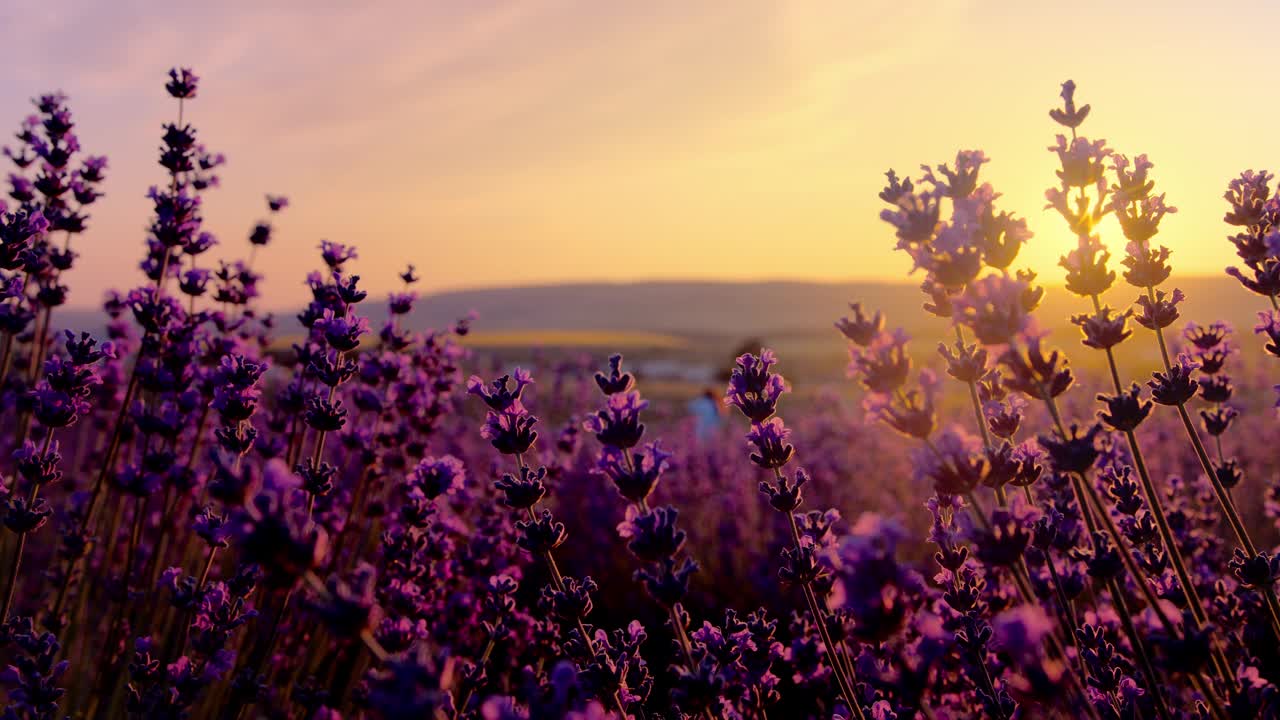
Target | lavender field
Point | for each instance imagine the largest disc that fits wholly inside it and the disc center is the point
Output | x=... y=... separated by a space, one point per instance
x=212 y=512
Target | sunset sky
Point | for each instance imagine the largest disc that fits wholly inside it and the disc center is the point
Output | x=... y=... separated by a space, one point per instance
x=501 y=143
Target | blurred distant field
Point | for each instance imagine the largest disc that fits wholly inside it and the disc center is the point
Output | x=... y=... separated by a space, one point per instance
x=681 y=337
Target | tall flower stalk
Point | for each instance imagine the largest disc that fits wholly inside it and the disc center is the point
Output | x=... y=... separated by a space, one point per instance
x=1083 y=199
x=510 y=429
x=754 y=389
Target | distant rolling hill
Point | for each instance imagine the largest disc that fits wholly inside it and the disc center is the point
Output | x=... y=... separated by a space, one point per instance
x=737 y=308
x=715 y=318
x=710 y=319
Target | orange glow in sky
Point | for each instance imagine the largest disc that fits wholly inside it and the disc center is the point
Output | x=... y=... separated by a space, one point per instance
x=533 y=141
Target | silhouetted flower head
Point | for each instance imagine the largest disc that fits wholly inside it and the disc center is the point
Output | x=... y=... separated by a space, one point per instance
x=18 y=230
x=1215 y=388
x=182 y=83
x=910 y=412
x=1125 y=410
x=616 y=381
x=417 y=684
x=667 y=582
x=276 y=534
x=325 y=415
x=784 y=495
x=1034 y=373
x=914 y=216
x=498 y=394
x=22 y=516
x=1102 y=329
x=1002 y=542
x=1177 y=385
x=1004 y=417
x=211 y=527
x=1260 y=571
x=1139 y=220
x=1075 y=453
x=37 y=465
x=1218 y=420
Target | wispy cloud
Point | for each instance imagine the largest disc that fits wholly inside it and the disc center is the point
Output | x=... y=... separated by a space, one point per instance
x=615 y=139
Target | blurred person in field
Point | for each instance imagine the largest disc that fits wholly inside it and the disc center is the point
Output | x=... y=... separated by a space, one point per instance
x=705 y=410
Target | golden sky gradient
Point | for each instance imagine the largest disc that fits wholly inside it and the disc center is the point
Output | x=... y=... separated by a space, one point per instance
x=499 y=143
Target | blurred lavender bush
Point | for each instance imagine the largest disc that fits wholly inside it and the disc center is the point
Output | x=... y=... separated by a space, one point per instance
x=198 y=524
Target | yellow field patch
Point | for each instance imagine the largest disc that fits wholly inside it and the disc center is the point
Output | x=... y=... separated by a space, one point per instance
x=573 y=339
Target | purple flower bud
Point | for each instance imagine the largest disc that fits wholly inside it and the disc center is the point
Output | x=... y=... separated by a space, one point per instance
x=883 y=365
x=1069 y=115
x=523 y=492
x=335 y=255
x=653 y=536
x=954 y=465
x=1260 y=571
x=966 y=363
x=1075 y=453
x=860 y=329
x=634 y=474
x=1036 y=374
x=182 y=83
x=437 y=476
x=1103 y=331
x=540 y=534
x=1082 y=161
x=348 y=606
x=785 y=496
x=1161 y=312
x=497 y=395
x=753 y=388
x=994 y=308
x=616 y=381
x=770 y=441
x=510 y=432
x=211 y=527
x=618 y=424
x=1219 y=419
